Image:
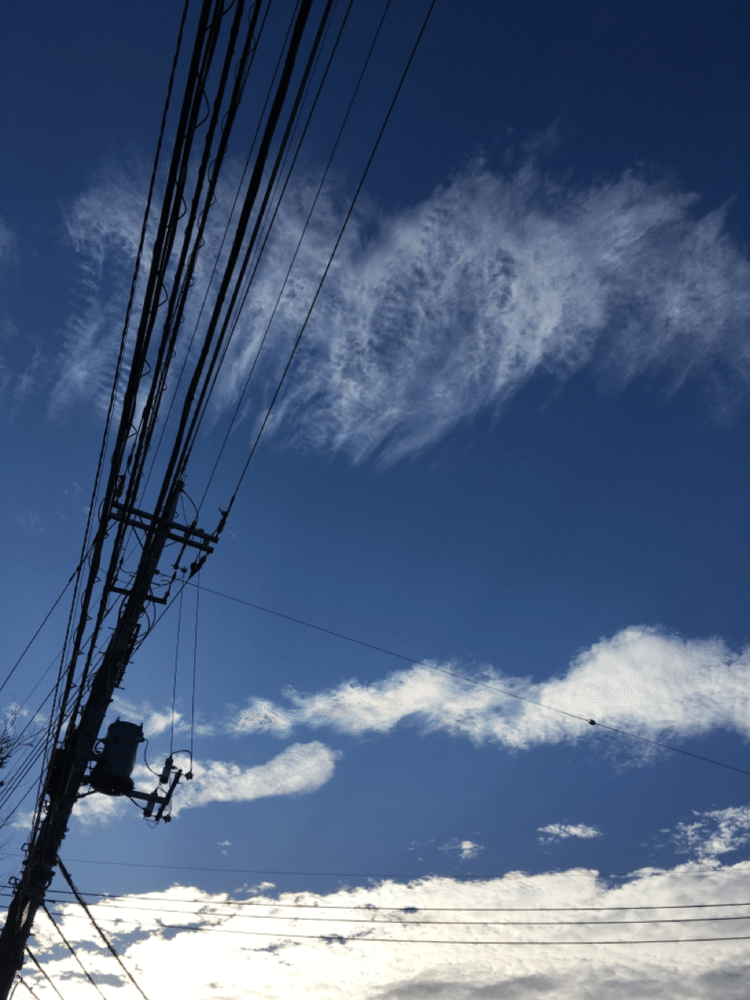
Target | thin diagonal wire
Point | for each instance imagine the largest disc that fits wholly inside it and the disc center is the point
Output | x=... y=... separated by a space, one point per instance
x=66 y=875
x=174 y=680
x=23 y=982
x=44 y=974
x=70 y=948
x=44 y=622
x=473 y=680
x=195 y=668
x=333 y=253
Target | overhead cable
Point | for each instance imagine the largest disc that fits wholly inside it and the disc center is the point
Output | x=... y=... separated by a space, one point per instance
x=473 y=680
x=644 y=876
x=341 y=939
x=100 y=932
x=44 y=974
x=72 y=951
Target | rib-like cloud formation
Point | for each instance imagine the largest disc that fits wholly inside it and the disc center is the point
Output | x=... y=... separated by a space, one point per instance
x=429 y=938
x=641 y=680
x=432 y=314
x=301 y=768
x=492 y=279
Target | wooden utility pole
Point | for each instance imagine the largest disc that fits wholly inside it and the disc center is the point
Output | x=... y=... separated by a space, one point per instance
x=68 y=764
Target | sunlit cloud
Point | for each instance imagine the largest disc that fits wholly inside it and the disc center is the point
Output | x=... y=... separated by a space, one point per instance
x=431 y=937
x=299 y=769
x=713 y=833
x=641 y=680
x=466 y=850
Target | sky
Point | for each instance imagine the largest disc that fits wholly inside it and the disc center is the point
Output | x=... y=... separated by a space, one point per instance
x=504 y=491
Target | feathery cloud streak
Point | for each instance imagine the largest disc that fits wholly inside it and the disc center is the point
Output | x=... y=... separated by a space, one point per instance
x=459 y=301
x=653 y=684
x=451 y=306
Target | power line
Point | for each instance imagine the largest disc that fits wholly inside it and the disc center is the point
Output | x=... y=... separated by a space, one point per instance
x=423 y=875
x=44 y=622
x=469 y=680
x=406 y=913
x=44 y=974
x=372 y=908
x=332 y=255
x=23 y=982
x=100 y=932
x=340 y=939
x=70 y=948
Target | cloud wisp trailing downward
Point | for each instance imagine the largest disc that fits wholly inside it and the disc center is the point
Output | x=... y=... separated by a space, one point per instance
x=433 y=314
x=641 y=680
x=299 y=769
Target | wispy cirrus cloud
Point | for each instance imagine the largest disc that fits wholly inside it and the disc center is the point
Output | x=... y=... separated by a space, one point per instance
x=492 y=279
x=563 y=831
x=641 y=680
x=434 y=937
x=435 y=313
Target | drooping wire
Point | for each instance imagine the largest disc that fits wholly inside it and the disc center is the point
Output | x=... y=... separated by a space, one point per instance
x=66 y=875
x=333 y=938
x=44 y=622
x=72 y=951
x=405 y=917
x=371 y=908
x=473 y=680
x=174 y=679
x=410 y=877
x=195 y=670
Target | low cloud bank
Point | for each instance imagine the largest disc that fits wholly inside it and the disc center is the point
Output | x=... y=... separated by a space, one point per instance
x=435 y=937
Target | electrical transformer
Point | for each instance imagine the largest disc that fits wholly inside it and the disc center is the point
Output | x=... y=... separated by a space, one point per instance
x=115 y=763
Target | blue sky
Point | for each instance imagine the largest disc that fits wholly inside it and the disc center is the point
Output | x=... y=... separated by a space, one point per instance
x=512 y=448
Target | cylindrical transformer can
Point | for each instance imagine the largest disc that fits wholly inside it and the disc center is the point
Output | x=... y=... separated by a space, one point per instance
x=111 y=774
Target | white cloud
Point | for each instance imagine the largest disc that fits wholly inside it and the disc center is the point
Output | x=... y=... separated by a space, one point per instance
x=466 y=849
x=460 y=300
x=449 y=308
x=393 y=940
x=561 y=831
x=715 y=832
x=653 y=684
x=301 y=768
x=297 y=770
